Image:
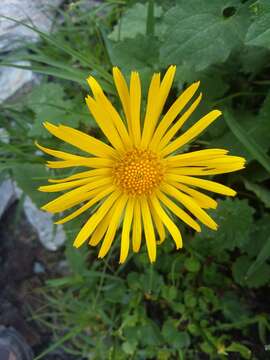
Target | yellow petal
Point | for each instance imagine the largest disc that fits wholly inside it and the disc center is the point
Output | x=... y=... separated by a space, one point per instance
x=191 y=133
x=158 y=224
x=56 y=153
x=115 y=219
x=171 y=114
x=186 y=158
x=80 y=140
x=125 y=238
x=123 y=93
x=160 y=99
x=80 y=161
x=111 y=112
x=204 y=184
x=204 y=171
x=66 y=185
x=204 y=201
x=178 y=211
x=75 y=196
x=83 y=208
x=106 y=126
x=101 y=229
x=135 y=107
x=137 y=227
x=148 y=230
x=95 y=219
x=190 y=204
x=179 y=123
x=84 y=174
x=151 y=115
x=172 y=228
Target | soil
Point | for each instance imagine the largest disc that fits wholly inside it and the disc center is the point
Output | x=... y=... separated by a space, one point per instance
x=25 y=265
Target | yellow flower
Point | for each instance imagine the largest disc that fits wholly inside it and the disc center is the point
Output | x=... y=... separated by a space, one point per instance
x=136 y=178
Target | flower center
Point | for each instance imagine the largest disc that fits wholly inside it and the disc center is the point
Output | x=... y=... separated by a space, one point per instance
x=138 y=172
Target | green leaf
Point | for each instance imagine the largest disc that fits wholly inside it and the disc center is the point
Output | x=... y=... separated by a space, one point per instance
x=259 y=31
x=250 y=144
x=239 y=348
x=134 y=22
x=29 y=177
x=260 y=232
x=49 y=104
x=235 y=221
x=262 y=193
x=258 y=278
x=192 y=264
x=134 y=54
x=263 y=255
x=201 y=33
x=256 y=128
x=177 y=339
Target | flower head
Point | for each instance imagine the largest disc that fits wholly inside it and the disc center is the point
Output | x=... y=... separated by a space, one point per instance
x=136 y=179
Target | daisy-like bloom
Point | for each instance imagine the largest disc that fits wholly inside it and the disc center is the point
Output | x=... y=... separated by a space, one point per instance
x=137 y=180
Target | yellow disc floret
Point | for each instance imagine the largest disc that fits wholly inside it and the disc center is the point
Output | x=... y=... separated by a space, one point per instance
x=138 y=172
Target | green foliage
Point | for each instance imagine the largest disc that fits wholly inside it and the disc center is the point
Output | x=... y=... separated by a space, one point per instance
x=209 y=299
x=204 y=32
x=235 y=224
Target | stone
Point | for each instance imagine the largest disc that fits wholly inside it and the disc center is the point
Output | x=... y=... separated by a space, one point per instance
x=50 y=235
x=13 y=79
x=33 y=12
x=7 y=195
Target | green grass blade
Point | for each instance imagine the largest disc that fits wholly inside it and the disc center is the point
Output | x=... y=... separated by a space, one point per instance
x=252 y=146
x=86 y=61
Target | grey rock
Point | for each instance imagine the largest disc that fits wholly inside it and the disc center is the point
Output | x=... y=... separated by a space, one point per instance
x=7 y=195
x=50 y=235
x=13 y=79
x=33 y=12
x=38 y=268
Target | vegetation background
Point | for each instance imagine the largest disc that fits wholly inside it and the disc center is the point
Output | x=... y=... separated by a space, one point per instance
x=211 y=299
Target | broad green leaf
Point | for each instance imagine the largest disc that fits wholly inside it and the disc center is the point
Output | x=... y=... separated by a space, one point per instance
x=201 y=32
x=259 y=31
x=134 y=22
x=250 y=144
x=177 y=339
x=262 y=192
x=235 y=221
x=134 y=54
x=260 y=232
x=259 y=277
x=263 y=255
x=29 y=177
x=49 y=104
x=140 y=53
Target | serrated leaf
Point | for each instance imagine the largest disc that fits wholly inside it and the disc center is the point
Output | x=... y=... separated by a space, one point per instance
x=260 y=277
x=198 y=32
x=235 y=221
x=259 y=31
x=48 y=103
x=134 y=54
x=134 y=21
